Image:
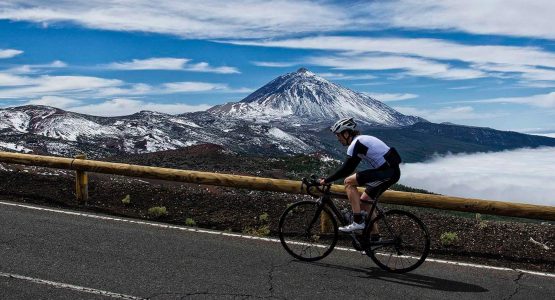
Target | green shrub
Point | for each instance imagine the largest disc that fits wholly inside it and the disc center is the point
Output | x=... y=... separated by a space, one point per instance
x=126 y=200
x=448 y=238
x=190 y=222
x=264 y=217
x=481 y=223
x=260 y=231
x=157 y=211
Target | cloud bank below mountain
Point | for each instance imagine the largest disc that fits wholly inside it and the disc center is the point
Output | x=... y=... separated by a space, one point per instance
x=522 y=175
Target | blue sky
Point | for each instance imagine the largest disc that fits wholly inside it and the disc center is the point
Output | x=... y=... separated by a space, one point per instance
x=492 y=66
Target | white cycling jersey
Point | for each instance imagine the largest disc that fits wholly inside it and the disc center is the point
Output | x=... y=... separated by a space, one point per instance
x=369 y=149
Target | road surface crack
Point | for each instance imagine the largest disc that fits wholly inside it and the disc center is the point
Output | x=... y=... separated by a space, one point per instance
x=517 y=288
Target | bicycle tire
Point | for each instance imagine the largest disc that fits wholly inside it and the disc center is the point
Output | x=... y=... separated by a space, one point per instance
x=410 y=242
x=306 y=244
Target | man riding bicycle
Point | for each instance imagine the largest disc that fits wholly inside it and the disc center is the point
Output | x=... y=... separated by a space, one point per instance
x=384 y=171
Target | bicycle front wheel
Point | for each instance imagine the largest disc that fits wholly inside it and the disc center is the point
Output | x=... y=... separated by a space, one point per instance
x=404 y=242
x=302 y=233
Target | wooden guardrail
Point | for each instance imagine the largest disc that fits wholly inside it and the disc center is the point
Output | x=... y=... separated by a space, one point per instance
x=279 y=185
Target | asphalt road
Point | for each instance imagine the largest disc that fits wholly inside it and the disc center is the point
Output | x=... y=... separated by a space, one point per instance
x=47 y=254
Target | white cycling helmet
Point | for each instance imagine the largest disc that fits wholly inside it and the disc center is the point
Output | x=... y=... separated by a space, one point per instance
x=343 y=124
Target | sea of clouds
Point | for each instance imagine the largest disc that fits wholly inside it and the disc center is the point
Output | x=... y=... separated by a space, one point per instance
x=522 y=175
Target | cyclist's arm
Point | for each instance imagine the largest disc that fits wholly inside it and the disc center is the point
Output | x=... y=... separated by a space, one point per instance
x=345 y=170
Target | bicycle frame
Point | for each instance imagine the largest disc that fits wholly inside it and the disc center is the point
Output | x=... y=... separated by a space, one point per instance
x=326 y=199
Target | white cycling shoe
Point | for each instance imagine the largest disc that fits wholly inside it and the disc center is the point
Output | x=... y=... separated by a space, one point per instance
x=352 y=227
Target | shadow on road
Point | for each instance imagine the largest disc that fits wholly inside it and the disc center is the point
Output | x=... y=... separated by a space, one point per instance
x=410 y=279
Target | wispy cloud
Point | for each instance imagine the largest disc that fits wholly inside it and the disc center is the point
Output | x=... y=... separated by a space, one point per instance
x=385 y=97
x=409 y=65
x=123 y=106
x=30 y=69
x=9 y=53
x=524 y=175
x=421 y=47
x=448 y=114
x=209 y=19
x=188 y=86
x=423 y=55
x=266 y=19
x=271 y=64
x=541 y=100
x=162 y=63
x=465 y=87
x=342 y=76
x=26 y=86
x=172 y=64
x=54 y=101
x=512 y=17
x=82 y=87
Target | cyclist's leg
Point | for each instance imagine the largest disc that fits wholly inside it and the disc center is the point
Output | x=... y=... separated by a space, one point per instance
x=377 y=181
x=351 y=185
x=365 y=203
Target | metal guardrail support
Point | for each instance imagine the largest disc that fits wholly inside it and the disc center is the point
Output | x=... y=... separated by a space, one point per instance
x=541 y=212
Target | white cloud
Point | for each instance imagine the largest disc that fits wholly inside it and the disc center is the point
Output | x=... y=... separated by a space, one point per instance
x=341 y=76
x=162 y=63
x=265 y=19
x=41 y=85
x=190 y=86
x=541 y=100
x=54 y=101
x=411 y=65
x=7 y=79
x=122 y=106
x=209 y=19
x=169 y=63
x=465 y=87
x=9 y=53
x=423 y=55
x=447 y=114
x=523 y=175
x=501 y=17
x=422 y=47
x=270 y=64
x=127 y=90
x=385 y=97
x=82 y=87
x=205 y=67
x=30 y=69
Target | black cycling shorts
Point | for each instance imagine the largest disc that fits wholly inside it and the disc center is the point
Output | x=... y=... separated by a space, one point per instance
x=378 y=180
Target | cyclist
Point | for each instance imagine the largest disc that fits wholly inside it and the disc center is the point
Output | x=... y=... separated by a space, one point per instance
x=384 y=171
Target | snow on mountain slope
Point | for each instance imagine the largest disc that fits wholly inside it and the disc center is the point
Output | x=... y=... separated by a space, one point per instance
x=304 y=97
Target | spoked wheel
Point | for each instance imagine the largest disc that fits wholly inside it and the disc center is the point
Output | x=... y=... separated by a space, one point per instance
x=301 y=234
x=404 y=242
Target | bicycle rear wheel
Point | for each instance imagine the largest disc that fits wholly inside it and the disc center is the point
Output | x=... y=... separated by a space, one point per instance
x=301 y=233
x=404 y=242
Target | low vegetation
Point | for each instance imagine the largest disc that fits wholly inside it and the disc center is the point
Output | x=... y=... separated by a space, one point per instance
x=157 y=211
x=190 y=222
x=449 y=238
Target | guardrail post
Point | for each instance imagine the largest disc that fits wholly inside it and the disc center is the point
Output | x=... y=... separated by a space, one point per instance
x=81 y=183
x=326 y=225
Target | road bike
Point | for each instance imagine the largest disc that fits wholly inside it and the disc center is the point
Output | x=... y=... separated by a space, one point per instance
x=308 y=230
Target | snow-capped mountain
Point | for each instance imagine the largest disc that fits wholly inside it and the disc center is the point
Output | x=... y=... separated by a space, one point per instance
x=305 y=98
x=43 y=129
